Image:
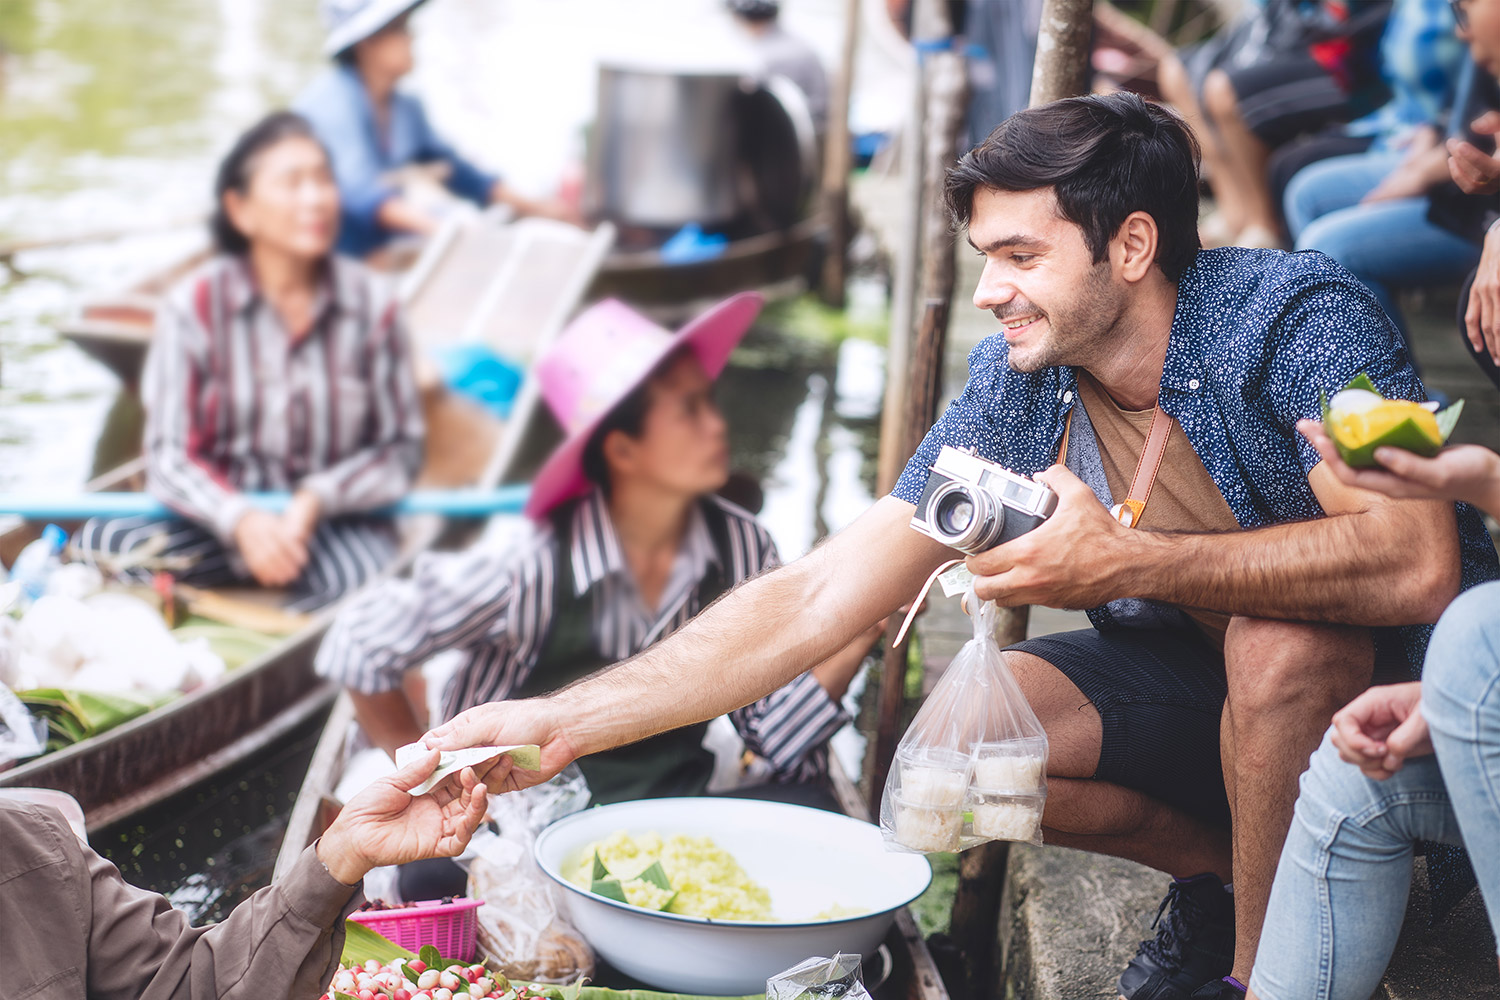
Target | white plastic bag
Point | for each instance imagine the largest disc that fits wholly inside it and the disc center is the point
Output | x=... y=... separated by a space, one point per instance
x=836 y=978
x=973 y=765
x=523 y=928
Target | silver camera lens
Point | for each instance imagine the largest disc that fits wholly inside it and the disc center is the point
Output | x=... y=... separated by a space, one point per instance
x=966 y=518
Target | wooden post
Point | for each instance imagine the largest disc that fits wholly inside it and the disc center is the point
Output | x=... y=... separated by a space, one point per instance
x=837 y=162
x=1062 y=51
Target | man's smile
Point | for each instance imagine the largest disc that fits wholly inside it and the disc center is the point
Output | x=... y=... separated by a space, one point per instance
x=1014 y=325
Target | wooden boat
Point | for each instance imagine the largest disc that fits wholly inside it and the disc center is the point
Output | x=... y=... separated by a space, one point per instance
x=519 y=285
x=115 y=329
x=912 y=974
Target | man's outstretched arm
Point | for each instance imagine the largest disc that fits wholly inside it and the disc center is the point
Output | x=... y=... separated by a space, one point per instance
x=746 y=645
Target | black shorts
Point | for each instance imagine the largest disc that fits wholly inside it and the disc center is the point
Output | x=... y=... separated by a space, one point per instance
x=1160 y=695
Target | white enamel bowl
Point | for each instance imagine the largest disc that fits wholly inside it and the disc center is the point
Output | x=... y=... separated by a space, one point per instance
x=810 y=860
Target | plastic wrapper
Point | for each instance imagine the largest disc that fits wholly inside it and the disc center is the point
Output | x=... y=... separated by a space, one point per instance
x=973 y=765
x=22 y=734
x=835 y=978
x=524 y=929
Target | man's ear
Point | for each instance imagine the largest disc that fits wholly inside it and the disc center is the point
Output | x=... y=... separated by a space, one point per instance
x=1134 y=246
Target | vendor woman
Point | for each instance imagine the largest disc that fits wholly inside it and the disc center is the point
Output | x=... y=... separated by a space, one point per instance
x=373 y=131
x=276 y=366
x=630 y=542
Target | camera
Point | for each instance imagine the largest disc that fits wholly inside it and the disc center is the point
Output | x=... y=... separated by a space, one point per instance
x=972 y=504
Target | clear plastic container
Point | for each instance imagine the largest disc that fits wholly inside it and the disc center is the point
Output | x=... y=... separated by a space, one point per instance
x=1017 y=766
x=925 y=828
x=997 y=816
x=933 y=777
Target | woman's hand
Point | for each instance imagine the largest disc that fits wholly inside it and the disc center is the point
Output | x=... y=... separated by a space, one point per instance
x=301 y=515
x=387 y=825
x=1381 y=728
x=1482 y=317
x=1474 y=171
x=1464 y=472
x=1424 y=166
x=274 y=554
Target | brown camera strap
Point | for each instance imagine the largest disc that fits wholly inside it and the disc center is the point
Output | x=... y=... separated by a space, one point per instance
x=1129 y=512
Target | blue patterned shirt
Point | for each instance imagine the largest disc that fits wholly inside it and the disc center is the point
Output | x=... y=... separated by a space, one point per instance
x=1420 y=59
x=1256 y=336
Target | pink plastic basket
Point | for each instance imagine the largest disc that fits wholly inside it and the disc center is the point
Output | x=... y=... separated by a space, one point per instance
x=451 y=928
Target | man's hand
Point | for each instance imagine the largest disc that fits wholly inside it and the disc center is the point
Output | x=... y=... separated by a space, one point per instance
x=1381 y=728
x=273 y=554
x=386 y=825
x=1482 y=315
x=1047 y=565
x=1474 y=171
x=1464 y=472
x=509 y=723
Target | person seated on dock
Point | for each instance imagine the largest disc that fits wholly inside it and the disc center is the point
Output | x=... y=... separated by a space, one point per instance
x=373 y=130
x=1403 y=763
x=631 y=542
x=784 y=54
x=72 y=928
x=276 y=366
x=1255 y=594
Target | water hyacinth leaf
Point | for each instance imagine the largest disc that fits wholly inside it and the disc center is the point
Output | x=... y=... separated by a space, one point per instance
x=342 y=996
x=431 y=957
x=410 y=973
x=609 y=888
x=600 y=871
x=657 y=876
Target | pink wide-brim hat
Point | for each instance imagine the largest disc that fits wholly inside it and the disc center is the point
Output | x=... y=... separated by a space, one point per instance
x=602 y=356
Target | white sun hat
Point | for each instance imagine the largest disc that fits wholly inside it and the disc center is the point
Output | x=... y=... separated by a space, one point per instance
x=352 y=21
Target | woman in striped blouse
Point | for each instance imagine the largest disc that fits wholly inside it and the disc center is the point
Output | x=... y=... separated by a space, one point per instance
x=277 y=365
x=630 y=543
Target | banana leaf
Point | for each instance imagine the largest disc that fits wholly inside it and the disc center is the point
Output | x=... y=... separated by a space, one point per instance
x=73 y=716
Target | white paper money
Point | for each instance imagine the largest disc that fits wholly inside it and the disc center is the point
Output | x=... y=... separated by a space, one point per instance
x=528 y=757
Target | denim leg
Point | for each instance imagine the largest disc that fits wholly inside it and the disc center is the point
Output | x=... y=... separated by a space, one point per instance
x=1331 y=184
x=1390 y=243
x=1345 y=872
x=1461 y=699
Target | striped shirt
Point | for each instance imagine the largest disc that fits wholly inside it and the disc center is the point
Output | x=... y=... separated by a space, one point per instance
x=494 y=606
x=237 y=404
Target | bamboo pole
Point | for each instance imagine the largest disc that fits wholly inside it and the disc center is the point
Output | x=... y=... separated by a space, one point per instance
x=918 y=382
x=837 y=162
x=1062 y=51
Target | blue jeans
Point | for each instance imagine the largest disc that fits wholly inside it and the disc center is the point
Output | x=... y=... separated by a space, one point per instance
x=1340 y=892
x=1385 y=244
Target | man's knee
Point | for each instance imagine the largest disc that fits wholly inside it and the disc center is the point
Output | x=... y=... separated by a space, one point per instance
x=1276 y=667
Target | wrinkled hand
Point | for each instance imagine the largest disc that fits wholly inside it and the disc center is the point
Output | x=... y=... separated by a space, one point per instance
x=1464 y=472
x=1482 y=316
x=1473 y=170
x=509 y=723
x=1048 y=565
x=1382 y=728
x=386 y=825
x=273 y=554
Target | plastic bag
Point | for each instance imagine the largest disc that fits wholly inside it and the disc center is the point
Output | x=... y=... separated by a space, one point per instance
x=973 y=765
x=835 y=978
x=524 y=929
x=22 y=734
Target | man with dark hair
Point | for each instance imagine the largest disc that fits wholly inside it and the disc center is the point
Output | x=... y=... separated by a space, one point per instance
x=1239 y=594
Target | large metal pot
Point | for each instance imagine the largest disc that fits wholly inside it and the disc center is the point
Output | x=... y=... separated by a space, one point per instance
x=669 y=148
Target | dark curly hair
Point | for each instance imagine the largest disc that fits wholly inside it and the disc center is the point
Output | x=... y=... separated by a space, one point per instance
x=239 y=164
x=1105 y=157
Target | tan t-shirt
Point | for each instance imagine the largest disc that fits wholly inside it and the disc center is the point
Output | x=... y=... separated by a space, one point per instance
x=1184 y=496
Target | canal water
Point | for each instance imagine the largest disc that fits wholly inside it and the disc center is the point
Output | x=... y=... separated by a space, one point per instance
x=112 y=115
